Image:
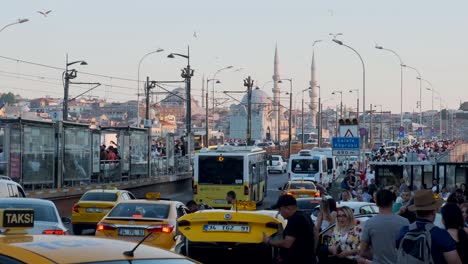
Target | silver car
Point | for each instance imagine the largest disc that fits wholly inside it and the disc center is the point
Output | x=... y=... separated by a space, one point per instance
x=277 y=164
x=46 y=217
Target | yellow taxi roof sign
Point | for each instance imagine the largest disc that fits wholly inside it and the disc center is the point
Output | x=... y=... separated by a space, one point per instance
x=153 y=195
x=16 y=221
x=246 y=205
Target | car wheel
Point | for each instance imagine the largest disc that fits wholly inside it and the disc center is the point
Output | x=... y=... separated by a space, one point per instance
x=77 y=229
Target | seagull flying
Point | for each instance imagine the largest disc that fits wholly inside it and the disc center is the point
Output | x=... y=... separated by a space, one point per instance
x=195 y=34
x=44 y=13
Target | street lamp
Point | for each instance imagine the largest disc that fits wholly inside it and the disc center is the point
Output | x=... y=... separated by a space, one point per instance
x=214 y=77
x=290 y=113
x=19 y=21
x=357 y=102
x=187 y=74
x=401 y=80
x=420 y=92
x=339 y=42
x=341 y=101
x=381 y=122
x=138 y=83
x=67 y=76
x=206 y=108
x=302 y=116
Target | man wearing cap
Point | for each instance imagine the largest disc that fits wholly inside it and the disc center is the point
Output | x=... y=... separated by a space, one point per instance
x=443 y=247
x=299 y=239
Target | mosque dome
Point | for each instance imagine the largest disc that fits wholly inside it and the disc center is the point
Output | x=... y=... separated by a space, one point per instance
x=259 y=98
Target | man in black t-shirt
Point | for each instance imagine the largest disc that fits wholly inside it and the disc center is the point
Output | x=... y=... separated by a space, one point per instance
x=299 y=239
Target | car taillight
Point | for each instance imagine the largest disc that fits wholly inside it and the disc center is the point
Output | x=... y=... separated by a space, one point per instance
x=105 y=227
x=160 y=228
x=195 y=189
x=317 y=194
x=288 y=193
x=53 y=232
x=246 y=190
x=75 y=208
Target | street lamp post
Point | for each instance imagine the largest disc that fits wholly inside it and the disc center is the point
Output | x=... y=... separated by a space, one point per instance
x=420 y=92
x=213 y=85
x=138 y=82
x=381 y=122
x=341 y=101
x=206 y=108
x=302 y=116
x=248 y=82
x=363 y=82
x=401 y=80
x=187 y=74
x=67 y=76
x=290 y=113
x=357 y=102
x=19 y=21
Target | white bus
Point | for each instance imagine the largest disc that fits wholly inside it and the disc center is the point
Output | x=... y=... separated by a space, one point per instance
x=230 y=168
x=309 y=166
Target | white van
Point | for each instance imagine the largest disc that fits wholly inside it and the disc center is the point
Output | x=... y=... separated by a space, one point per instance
x=308 y=166
x=332 y=163
x=10 y=188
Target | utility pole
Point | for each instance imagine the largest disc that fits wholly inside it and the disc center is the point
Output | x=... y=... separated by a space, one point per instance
x=302 y=122
x=248 y=82
x=290 y=122
x=370 y=128
x=207 y=144
x=148 y=124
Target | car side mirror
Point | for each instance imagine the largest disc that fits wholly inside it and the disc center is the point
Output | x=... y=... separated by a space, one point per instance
x=66 y=220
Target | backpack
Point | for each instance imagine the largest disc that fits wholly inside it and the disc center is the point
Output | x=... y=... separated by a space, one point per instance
x=415 y=246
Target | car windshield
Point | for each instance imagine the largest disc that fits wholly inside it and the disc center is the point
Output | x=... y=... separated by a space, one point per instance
x=99 y=196
x=307 y=204
x=143 y=261
x=305 y=166
x=144 y=209
x=41 y=212
x=297 y=186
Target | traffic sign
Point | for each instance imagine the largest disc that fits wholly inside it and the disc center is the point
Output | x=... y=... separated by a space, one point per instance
x=401 y=134
x=349 y=131
x=345 y=146
x=338 y=152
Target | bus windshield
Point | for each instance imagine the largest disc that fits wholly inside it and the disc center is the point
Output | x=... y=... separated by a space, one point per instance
x=305 y=166
x=213 y=171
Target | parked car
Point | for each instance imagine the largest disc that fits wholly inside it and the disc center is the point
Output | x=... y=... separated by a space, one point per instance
x=46 y=216
x=277 y=164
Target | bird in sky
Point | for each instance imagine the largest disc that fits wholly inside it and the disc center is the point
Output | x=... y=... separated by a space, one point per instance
x=44 y=13
x=195 y=34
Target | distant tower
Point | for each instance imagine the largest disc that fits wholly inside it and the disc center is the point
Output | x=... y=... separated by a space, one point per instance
x=276 y=94
x=314 y=93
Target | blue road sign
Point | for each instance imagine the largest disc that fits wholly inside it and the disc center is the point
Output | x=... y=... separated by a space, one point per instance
x=401 y=134
x=345 y=143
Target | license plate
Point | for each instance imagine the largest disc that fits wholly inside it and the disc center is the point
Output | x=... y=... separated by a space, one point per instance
x=226 y=228
x=94 y=210
x=303 y=195
x=131 y=232
x=219 y=201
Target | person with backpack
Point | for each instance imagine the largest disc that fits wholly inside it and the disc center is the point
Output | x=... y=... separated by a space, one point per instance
x=422 y=241
x=453 y=221
x=380 y=230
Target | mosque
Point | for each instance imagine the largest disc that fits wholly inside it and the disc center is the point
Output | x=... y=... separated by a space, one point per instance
x=267 y=114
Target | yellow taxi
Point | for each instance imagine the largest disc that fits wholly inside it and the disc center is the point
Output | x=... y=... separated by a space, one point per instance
x=300 y=189
x=228 y=236
x=153 y=218
x=95 y=204
x=19 y=247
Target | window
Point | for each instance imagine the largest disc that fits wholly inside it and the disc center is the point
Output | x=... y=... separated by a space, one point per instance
x=212 y=170
x=305 y=166
x=147 y=210
x=99 y=196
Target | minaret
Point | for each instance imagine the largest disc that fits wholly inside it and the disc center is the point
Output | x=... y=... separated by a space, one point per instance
x=276 y=95
x=314 y=93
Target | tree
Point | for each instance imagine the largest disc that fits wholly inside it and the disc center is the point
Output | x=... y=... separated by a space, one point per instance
x=8 y=98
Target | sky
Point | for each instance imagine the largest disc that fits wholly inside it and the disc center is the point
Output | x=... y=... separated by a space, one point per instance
x=113 y=36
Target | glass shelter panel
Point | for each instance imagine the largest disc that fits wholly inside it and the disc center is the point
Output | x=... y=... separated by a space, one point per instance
x=138 y=153
x=77 y=156
x=38 y=155
x=3 y=156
